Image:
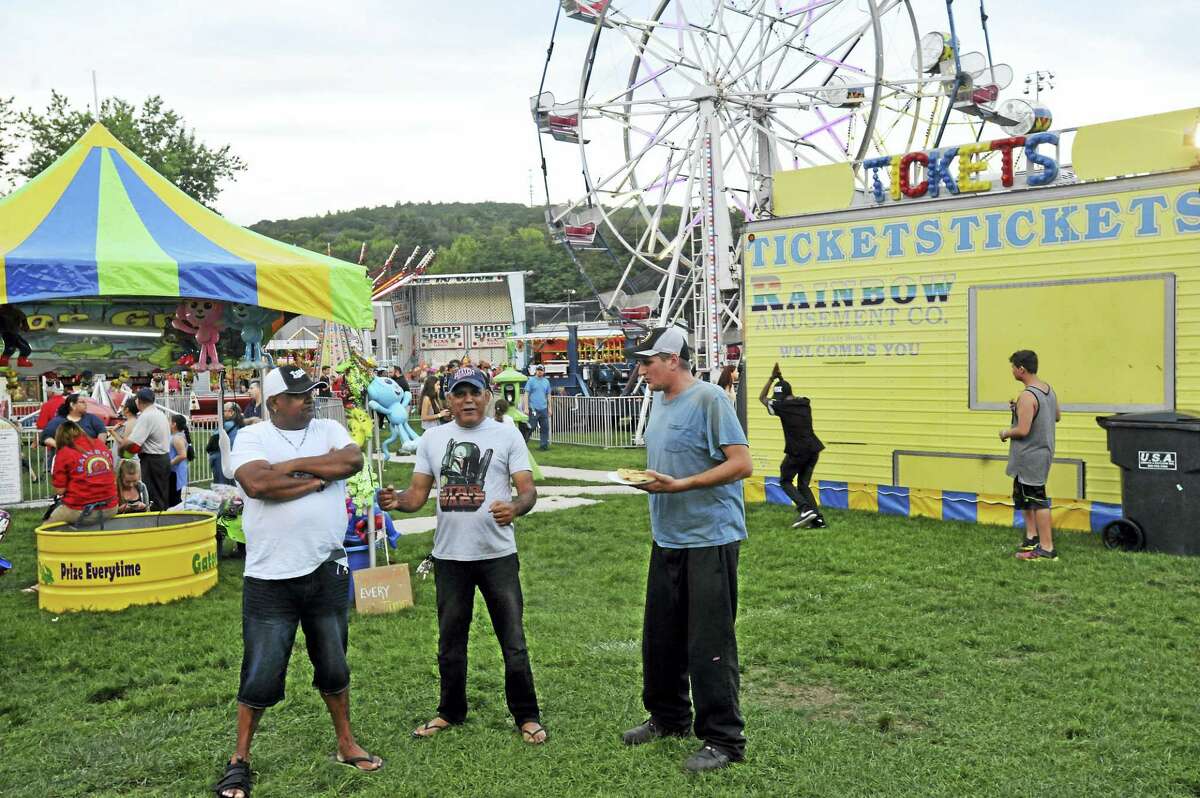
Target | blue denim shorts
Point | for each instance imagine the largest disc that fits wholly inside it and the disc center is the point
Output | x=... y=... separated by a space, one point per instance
x=271 y=609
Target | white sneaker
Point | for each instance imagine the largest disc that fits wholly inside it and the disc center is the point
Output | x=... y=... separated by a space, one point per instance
x=804 y=519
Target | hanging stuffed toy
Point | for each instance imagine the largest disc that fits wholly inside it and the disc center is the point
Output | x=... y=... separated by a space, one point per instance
x=253 y=323
x=388 y=398
x=202 y=319
x=13 y=325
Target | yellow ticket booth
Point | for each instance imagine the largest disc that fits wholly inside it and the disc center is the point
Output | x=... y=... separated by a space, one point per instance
x=143 y=558
x=893 y=301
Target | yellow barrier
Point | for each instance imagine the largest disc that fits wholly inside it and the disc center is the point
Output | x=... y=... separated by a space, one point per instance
x=143 y=558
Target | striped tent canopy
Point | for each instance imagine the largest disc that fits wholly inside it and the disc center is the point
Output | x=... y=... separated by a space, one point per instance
x=100 y=222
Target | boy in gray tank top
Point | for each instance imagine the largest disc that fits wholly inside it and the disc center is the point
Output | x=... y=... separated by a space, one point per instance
x=1030 y=452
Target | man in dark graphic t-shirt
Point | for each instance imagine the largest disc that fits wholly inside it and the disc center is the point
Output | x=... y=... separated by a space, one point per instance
x=475 y=461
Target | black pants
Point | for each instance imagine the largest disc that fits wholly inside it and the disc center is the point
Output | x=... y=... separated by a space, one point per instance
x=15 y=343
x=156 y=473
x=499 y=582
x=799 y=467
x=691 y=606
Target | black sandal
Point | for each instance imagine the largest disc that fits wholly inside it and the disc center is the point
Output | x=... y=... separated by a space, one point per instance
x=353 y=761
x=429 y=725
x=237 y=777
x=530 y=735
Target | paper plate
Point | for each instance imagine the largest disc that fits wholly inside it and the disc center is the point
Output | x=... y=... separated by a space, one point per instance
x=613 y=476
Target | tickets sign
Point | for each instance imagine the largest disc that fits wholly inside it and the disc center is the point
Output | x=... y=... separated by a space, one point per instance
x=444 y=336
x=490 y=336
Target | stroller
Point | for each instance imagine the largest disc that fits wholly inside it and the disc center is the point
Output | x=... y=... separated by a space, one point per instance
x=229 y=526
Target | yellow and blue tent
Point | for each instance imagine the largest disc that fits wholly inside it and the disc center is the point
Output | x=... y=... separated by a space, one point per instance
x=100 y=222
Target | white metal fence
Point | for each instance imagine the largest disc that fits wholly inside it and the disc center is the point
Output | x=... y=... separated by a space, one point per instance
x=609 y=421
x=35 y=461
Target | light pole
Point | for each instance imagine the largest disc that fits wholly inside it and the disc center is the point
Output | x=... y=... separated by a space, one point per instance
x=1039 y=81
x=570 y=293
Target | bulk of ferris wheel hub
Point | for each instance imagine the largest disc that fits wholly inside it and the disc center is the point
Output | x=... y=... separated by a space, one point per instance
x=758 y=80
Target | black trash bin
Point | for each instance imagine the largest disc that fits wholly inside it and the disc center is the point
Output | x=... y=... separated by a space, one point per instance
x=1159 y=458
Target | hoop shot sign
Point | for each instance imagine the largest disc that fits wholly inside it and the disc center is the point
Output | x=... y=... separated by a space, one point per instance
x=489 y=336
x=443 y=336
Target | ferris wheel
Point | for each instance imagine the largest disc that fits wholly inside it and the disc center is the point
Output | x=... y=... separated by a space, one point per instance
x=680 y=111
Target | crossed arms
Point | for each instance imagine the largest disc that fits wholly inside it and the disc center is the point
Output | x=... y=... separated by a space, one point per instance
x=291 y=479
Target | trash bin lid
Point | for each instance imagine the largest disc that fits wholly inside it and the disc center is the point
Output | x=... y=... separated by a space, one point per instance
x=1157 y=420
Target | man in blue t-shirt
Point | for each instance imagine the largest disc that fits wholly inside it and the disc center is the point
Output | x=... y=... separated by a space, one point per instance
x=697 y=455
x=537 y=391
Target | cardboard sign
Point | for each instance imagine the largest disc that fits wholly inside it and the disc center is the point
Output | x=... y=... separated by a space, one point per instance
x=383 y=589
x=10 y=463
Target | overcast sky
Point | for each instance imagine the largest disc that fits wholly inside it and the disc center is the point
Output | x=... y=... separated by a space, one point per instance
x=358 y=103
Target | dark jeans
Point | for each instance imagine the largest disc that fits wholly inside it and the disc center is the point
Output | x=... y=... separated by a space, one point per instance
x=799 y=467
x=156 y=473
x=691 y=606
x=15 y=343
x=499 y=582
x=540 y=420
x=214 y=463
x=271 y=609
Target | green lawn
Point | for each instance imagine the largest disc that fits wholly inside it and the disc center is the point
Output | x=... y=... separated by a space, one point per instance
x=887 y=657
x=589 y=457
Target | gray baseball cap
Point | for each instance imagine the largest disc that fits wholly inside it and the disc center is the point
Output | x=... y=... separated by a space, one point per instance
x=665 y=341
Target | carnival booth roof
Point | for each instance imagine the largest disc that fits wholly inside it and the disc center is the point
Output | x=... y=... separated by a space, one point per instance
x=100 y=222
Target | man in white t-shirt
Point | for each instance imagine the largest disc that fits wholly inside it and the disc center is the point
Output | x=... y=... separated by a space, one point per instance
x=292 y=469
x=473 y=458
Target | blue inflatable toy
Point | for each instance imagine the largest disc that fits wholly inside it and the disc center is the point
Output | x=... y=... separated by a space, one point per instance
x=388 y=398
x=253 y=322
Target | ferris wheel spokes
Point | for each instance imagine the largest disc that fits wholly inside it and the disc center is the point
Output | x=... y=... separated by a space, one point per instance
x=688 y=107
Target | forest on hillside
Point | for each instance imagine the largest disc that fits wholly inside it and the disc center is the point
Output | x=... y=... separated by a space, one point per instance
x=468 y=237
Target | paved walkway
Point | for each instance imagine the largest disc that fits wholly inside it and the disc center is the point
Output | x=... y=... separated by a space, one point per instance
x=546 y=504
x=550 y=497
x=555 y=472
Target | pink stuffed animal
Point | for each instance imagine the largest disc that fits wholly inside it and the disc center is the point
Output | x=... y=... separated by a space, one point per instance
x=202 y=318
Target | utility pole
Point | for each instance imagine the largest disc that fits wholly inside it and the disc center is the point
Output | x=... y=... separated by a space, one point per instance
x=95 y=96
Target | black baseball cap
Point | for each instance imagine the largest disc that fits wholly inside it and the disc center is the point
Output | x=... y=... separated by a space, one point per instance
x=146 y=395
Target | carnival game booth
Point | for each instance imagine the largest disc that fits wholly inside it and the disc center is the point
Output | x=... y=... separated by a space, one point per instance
x=437 y=318
x=587 y=358
x=143 y=558
x=894 y=302
x=100 y=229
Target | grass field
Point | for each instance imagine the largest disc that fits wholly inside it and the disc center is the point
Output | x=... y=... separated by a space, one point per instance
x=590 y=457
x=887 y=657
